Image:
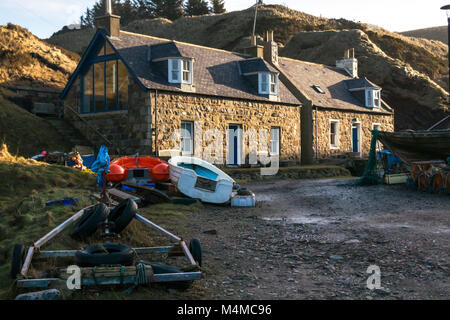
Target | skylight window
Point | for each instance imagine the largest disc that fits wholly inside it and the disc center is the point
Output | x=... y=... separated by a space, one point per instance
x=318 y=89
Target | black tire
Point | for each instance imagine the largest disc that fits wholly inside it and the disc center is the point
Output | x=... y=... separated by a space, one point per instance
x=196 y=250
x=89 y=221
x=95 y=255
x=17 y=259
x=123 y=214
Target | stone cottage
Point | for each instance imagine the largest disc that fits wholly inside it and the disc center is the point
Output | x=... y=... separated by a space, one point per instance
x=138 y=93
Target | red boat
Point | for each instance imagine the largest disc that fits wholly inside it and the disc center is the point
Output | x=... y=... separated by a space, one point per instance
x=138 y=169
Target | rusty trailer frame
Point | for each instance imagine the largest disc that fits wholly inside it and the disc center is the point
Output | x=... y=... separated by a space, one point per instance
x=35 y=252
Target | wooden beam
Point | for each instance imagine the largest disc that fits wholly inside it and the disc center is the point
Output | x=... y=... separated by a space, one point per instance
x=155 y=226
x=187 y=252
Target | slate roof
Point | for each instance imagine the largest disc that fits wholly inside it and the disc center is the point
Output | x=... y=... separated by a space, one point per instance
x=256 y=65
x=332 y=81
x=360 y=83
x=216 y=72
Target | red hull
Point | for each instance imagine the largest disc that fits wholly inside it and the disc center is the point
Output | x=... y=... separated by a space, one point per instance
x=157 y=169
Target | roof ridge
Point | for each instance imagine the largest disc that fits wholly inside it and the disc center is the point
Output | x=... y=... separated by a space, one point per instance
x=311 y=63
x=181 y=42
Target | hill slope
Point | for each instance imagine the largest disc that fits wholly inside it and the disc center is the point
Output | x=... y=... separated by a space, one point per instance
x=413 y=72
x=24 y=133
x=26 y=59
x=435 y=33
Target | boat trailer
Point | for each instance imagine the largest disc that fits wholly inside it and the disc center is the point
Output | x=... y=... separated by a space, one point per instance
x=108 y=275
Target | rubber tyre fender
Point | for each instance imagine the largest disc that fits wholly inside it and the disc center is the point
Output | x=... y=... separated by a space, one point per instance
x=123 y=214
x=88 y=223
x=17 y=259
x=95 y=255
x=196 y=250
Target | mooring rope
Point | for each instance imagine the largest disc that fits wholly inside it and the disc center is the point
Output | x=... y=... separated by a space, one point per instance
x=141 y=274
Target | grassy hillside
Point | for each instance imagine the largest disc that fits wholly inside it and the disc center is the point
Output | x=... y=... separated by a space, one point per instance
x=24 y=133
x=435 y=33
x=26 y=59
x=25 y=187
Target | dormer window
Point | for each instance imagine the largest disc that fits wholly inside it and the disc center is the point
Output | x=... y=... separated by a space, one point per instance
x=268 y=83
x=180 y=71
x=373 y=98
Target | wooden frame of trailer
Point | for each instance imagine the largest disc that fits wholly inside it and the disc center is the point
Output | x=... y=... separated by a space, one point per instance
x=128 y=275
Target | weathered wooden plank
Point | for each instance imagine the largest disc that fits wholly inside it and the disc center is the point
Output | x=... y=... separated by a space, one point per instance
x=155 y=226
x=187 y=253
x=123 y=195
x=27 y=263
x=71 y=253
x=166 y=277
x=59 y=228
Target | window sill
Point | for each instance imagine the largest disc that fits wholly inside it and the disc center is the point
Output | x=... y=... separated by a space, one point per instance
x=100 y=113
x=334 y=147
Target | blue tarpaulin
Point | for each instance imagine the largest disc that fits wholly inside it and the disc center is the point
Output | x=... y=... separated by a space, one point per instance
x=101 y=164
x=391 y=159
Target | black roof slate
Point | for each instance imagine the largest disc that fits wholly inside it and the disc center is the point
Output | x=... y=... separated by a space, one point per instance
x=216 y=72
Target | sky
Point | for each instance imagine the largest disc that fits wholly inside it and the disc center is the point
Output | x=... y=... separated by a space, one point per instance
x=43 y=17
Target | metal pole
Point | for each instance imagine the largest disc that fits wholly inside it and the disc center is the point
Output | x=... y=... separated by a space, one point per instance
x=448 y=46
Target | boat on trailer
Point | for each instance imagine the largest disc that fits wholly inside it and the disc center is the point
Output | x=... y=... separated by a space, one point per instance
x=412 y=146
x=199 y=179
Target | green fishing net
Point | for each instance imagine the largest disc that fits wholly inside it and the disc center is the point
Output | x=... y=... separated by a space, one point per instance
x=370 y=175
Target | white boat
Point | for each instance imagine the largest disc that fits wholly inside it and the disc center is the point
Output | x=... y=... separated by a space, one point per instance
x=199 y=179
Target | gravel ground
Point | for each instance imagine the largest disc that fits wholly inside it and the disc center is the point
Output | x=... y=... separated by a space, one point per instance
x=315 y=239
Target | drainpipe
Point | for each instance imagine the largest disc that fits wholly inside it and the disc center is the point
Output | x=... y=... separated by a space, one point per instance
x=317 y=136
x=156 y=123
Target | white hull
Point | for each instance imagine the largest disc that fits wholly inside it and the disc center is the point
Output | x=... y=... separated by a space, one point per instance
x=187 y=181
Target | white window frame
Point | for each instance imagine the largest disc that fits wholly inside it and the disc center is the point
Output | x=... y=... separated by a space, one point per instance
x=336 y=145
x=189 y=71
x=185 y=137
x=171 y=63
x=370 y=98
x=265 y=83
x=180 y=70
x=263 y=78
x=273 y=82
x=275 y=141
x=375 y=94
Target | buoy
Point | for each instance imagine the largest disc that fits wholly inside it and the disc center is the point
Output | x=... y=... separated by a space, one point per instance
x=160 y=172
x=116 y=173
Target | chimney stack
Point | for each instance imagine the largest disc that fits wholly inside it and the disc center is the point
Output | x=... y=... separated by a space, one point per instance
x=254 y=50
x=349 y=63
x=109 y=22
x=270 y=49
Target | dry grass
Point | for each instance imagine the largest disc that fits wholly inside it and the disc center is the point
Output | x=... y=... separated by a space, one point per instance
x=23 y=57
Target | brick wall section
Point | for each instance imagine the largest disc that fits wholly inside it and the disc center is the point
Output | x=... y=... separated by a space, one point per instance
x=218 y=113
x=345 y=127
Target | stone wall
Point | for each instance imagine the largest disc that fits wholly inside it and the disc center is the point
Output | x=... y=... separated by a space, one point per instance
x=321 y=145
x=29 y=96
x=128 y=131
x=218 y=113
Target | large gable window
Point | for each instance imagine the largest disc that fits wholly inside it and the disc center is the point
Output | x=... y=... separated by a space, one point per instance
x=180 y=71
x=105 y=87
x=267 y=83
